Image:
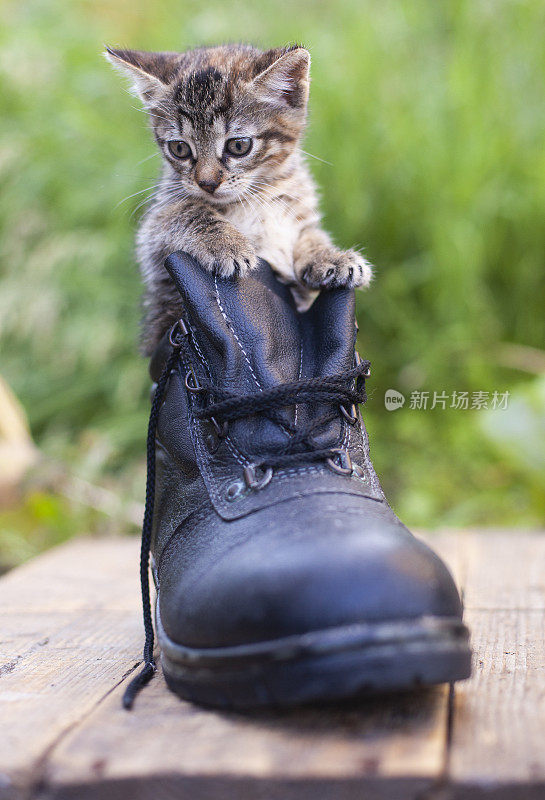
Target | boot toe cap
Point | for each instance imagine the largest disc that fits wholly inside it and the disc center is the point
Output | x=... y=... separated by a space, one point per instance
x=321 y=568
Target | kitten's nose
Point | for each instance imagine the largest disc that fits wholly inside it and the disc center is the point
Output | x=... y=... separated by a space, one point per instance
x=209 y=186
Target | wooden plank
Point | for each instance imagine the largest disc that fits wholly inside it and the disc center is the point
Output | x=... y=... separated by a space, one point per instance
x=69 y=736
x=498 y=735
x=504 y=569
x=73 y=627
x=381 y=744
x=70 y=631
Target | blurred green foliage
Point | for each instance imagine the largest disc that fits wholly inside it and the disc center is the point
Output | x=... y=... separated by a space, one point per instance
x=432 y=116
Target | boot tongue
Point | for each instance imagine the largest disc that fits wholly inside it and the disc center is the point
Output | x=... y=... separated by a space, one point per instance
x=252 y=339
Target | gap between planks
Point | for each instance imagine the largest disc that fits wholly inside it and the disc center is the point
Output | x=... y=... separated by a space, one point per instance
x=89 y=740
x=485 y=741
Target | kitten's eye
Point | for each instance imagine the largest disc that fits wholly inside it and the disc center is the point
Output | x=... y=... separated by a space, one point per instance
x=238 y=147
x=179 y=149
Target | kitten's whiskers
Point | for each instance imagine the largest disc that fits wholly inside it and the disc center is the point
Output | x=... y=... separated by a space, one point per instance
x=316 y=157
x=130 y=196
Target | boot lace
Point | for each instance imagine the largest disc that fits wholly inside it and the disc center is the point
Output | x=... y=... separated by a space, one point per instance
x=221 y=406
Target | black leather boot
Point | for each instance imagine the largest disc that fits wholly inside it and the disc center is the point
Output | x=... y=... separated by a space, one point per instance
x=282 y=574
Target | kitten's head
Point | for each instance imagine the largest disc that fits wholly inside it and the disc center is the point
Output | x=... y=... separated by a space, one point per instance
x=226 y=118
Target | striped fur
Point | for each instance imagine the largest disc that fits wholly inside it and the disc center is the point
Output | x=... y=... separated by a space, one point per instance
x=263 y=203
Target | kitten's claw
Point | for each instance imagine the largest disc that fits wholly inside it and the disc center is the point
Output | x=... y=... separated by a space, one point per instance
x=229 y=264
x=229 y=258
x=334 y=268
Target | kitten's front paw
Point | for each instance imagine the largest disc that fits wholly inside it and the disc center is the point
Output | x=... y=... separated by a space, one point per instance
x=229 y=255
x=334 y=268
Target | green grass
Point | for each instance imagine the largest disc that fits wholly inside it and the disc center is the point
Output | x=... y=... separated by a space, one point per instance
x=432 y=117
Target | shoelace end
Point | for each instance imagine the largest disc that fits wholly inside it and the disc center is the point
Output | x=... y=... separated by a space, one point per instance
x=138 y=683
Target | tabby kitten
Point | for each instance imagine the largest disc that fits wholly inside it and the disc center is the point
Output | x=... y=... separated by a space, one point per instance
x=228 y=121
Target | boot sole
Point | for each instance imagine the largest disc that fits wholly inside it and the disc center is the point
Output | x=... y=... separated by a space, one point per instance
x=321 y=666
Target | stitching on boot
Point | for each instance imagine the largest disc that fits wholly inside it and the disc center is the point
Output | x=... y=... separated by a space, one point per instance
x=299 y=378
x=199 y=451
x=199 y=351
x=233 y=331
x=346 y=440
x=238 y=456
x=231 y=328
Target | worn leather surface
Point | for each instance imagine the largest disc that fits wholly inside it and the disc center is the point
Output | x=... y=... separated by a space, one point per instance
x=311 y=550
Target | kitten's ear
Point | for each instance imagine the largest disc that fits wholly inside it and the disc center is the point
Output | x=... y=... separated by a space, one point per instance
x=286 y=80
x=149 y=72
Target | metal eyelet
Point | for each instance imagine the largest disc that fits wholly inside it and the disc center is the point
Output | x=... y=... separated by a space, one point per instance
x=191 y=382
x=235 y=491
x=252 y=481
x=344 y=467
x=177 y=332
x=359 y=472
x=352 y=416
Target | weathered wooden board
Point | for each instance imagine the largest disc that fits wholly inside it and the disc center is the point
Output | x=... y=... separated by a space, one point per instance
x=71 y=632
x=168 y=746
x=503 y=570
x=74 y=632
x=498 y=736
